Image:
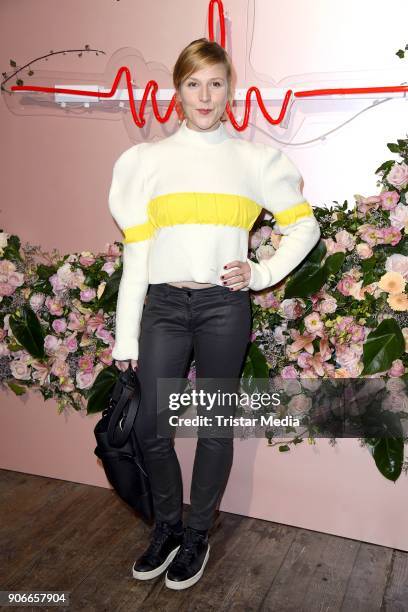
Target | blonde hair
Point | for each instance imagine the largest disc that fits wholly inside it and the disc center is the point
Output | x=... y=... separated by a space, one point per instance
x=197 y=55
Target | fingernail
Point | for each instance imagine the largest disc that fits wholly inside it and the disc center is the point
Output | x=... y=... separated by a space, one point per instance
x=225 y=267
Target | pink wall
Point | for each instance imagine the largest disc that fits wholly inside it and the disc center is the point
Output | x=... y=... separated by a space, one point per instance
x=57 y=168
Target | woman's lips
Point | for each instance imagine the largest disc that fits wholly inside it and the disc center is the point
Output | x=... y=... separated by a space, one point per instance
x=204 y=112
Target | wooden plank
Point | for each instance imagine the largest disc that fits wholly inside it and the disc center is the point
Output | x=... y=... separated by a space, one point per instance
x=396 y=592
x=367 y=583
x=306 y=556
x=110 y=585
x=54 y=554
x=83 y=539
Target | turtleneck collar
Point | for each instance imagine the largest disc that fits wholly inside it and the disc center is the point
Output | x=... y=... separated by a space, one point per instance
x=188 y=135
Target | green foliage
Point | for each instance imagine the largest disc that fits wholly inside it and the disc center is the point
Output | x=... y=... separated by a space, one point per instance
x=382 y=346
x=27 y=330
x=99 y=394
x=312 y=275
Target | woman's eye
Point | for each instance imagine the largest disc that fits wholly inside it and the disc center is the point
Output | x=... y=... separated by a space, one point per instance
x=215 y=83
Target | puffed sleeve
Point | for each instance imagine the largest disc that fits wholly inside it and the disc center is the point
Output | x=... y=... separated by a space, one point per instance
x=128 y=206
x=294 y=218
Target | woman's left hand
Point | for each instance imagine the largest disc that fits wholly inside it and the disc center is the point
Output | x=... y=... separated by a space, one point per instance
x=237 y=278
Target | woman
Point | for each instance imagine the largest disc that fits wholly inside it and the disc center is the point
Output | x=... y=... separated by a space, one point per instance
x=186 y=205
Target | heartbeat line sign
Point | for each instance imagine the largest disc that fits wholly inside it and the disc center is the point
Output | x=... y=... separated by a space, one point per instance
x=152 y=88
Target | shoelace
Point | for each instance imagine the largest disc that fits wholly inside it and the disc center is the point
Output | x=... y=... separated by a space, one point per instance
x=188 y=547
x=160 y=534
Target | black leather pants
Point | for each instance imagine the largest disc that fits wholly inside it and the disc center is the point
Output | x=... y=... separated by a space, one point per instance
x=214 y=324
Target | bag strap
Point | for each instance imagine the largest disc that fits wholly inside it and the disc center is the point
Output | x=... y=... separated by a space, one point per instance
x=130 y=394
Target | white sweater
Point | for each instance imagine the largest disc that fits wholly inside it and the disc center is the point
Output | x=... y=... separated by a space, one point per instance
x=186 y=205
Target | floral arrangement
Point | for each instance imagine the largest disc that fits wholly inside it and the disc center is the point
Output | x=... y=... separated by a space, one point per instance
x=343 y=313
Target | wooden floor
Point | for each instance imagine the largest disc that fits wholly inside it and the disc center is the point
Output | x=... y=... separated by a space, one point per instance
x=59 y=535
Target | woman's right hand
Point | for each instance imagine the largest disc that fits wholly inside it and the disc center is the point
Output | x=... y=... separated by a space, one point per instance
x=123 y=365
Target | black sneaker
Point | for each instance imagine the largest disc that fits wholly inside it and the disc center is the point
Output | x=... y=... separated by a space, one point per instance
x=164 y=544
x=188 y=565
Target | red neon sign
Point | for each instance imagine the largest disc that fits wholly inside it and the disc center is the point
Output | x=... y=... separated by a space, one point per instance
x=153 y=87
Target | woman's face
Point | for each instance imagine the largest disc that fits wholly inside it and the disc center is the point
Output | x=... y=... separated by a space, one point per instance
x=204 y=89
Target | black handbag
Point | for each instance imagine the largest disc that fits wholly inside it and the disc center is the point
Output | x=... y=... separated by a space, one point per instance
x=118 y=448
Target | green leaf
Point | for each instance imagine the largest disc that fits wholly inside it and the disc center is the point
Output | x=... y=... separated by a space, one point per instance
x=385 y=166
x=283 y=448
x=100 y=390
x=17 y=389
x=333 y=263
x=27 y=330
x=306 y=281
x=393 y=147
x=45 y=272
x=256 y=367
x=317 y=254
x=382 y=346
x=388 y=455
x=109 y=296
x=310 y=276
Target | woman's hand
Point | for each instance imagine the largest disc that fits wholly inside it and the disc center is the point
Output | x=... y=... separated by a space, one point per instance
x=237 y=279
x=123 y=365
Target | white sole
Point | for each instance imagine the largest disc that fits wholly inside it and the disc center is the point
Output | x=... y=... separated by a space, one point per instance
x=157 y=571
x=174 y=584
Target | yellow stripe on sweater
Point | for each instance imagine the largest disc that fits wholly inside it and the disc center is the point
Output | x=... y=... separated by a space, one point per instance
x=292 y=214
x=207 y=208
x=139 y=232
x=198 y=207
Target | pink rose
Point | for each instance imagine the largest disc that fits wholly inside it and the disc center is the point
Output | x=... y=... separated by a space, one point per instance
x=51 y=343
x=299 y=404
x=266 y=299
x=60 y=368
x=398 y=175
x=59 y=325
x=333 y=247
x=391 y=235
x=16 y=279
x=71 y=343
x=85 y=363
x=364 y=251
x=112 y=250
x=108 y=267
x=55 y=306
x=389 y=199
x=399 y=216
x=6 y=289
x=87 y=295
x=345 y=240
x=397 y=263
x=292 y=308
x=397 y=368
x=328 y=305
x=289 y=372
x=20 y=370
x=36 y=301
x=278 y=334
x=86 y=259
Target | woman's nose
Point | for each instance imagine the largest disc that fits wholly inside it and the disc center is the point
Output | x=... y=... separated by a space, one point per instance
x=204 y=95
